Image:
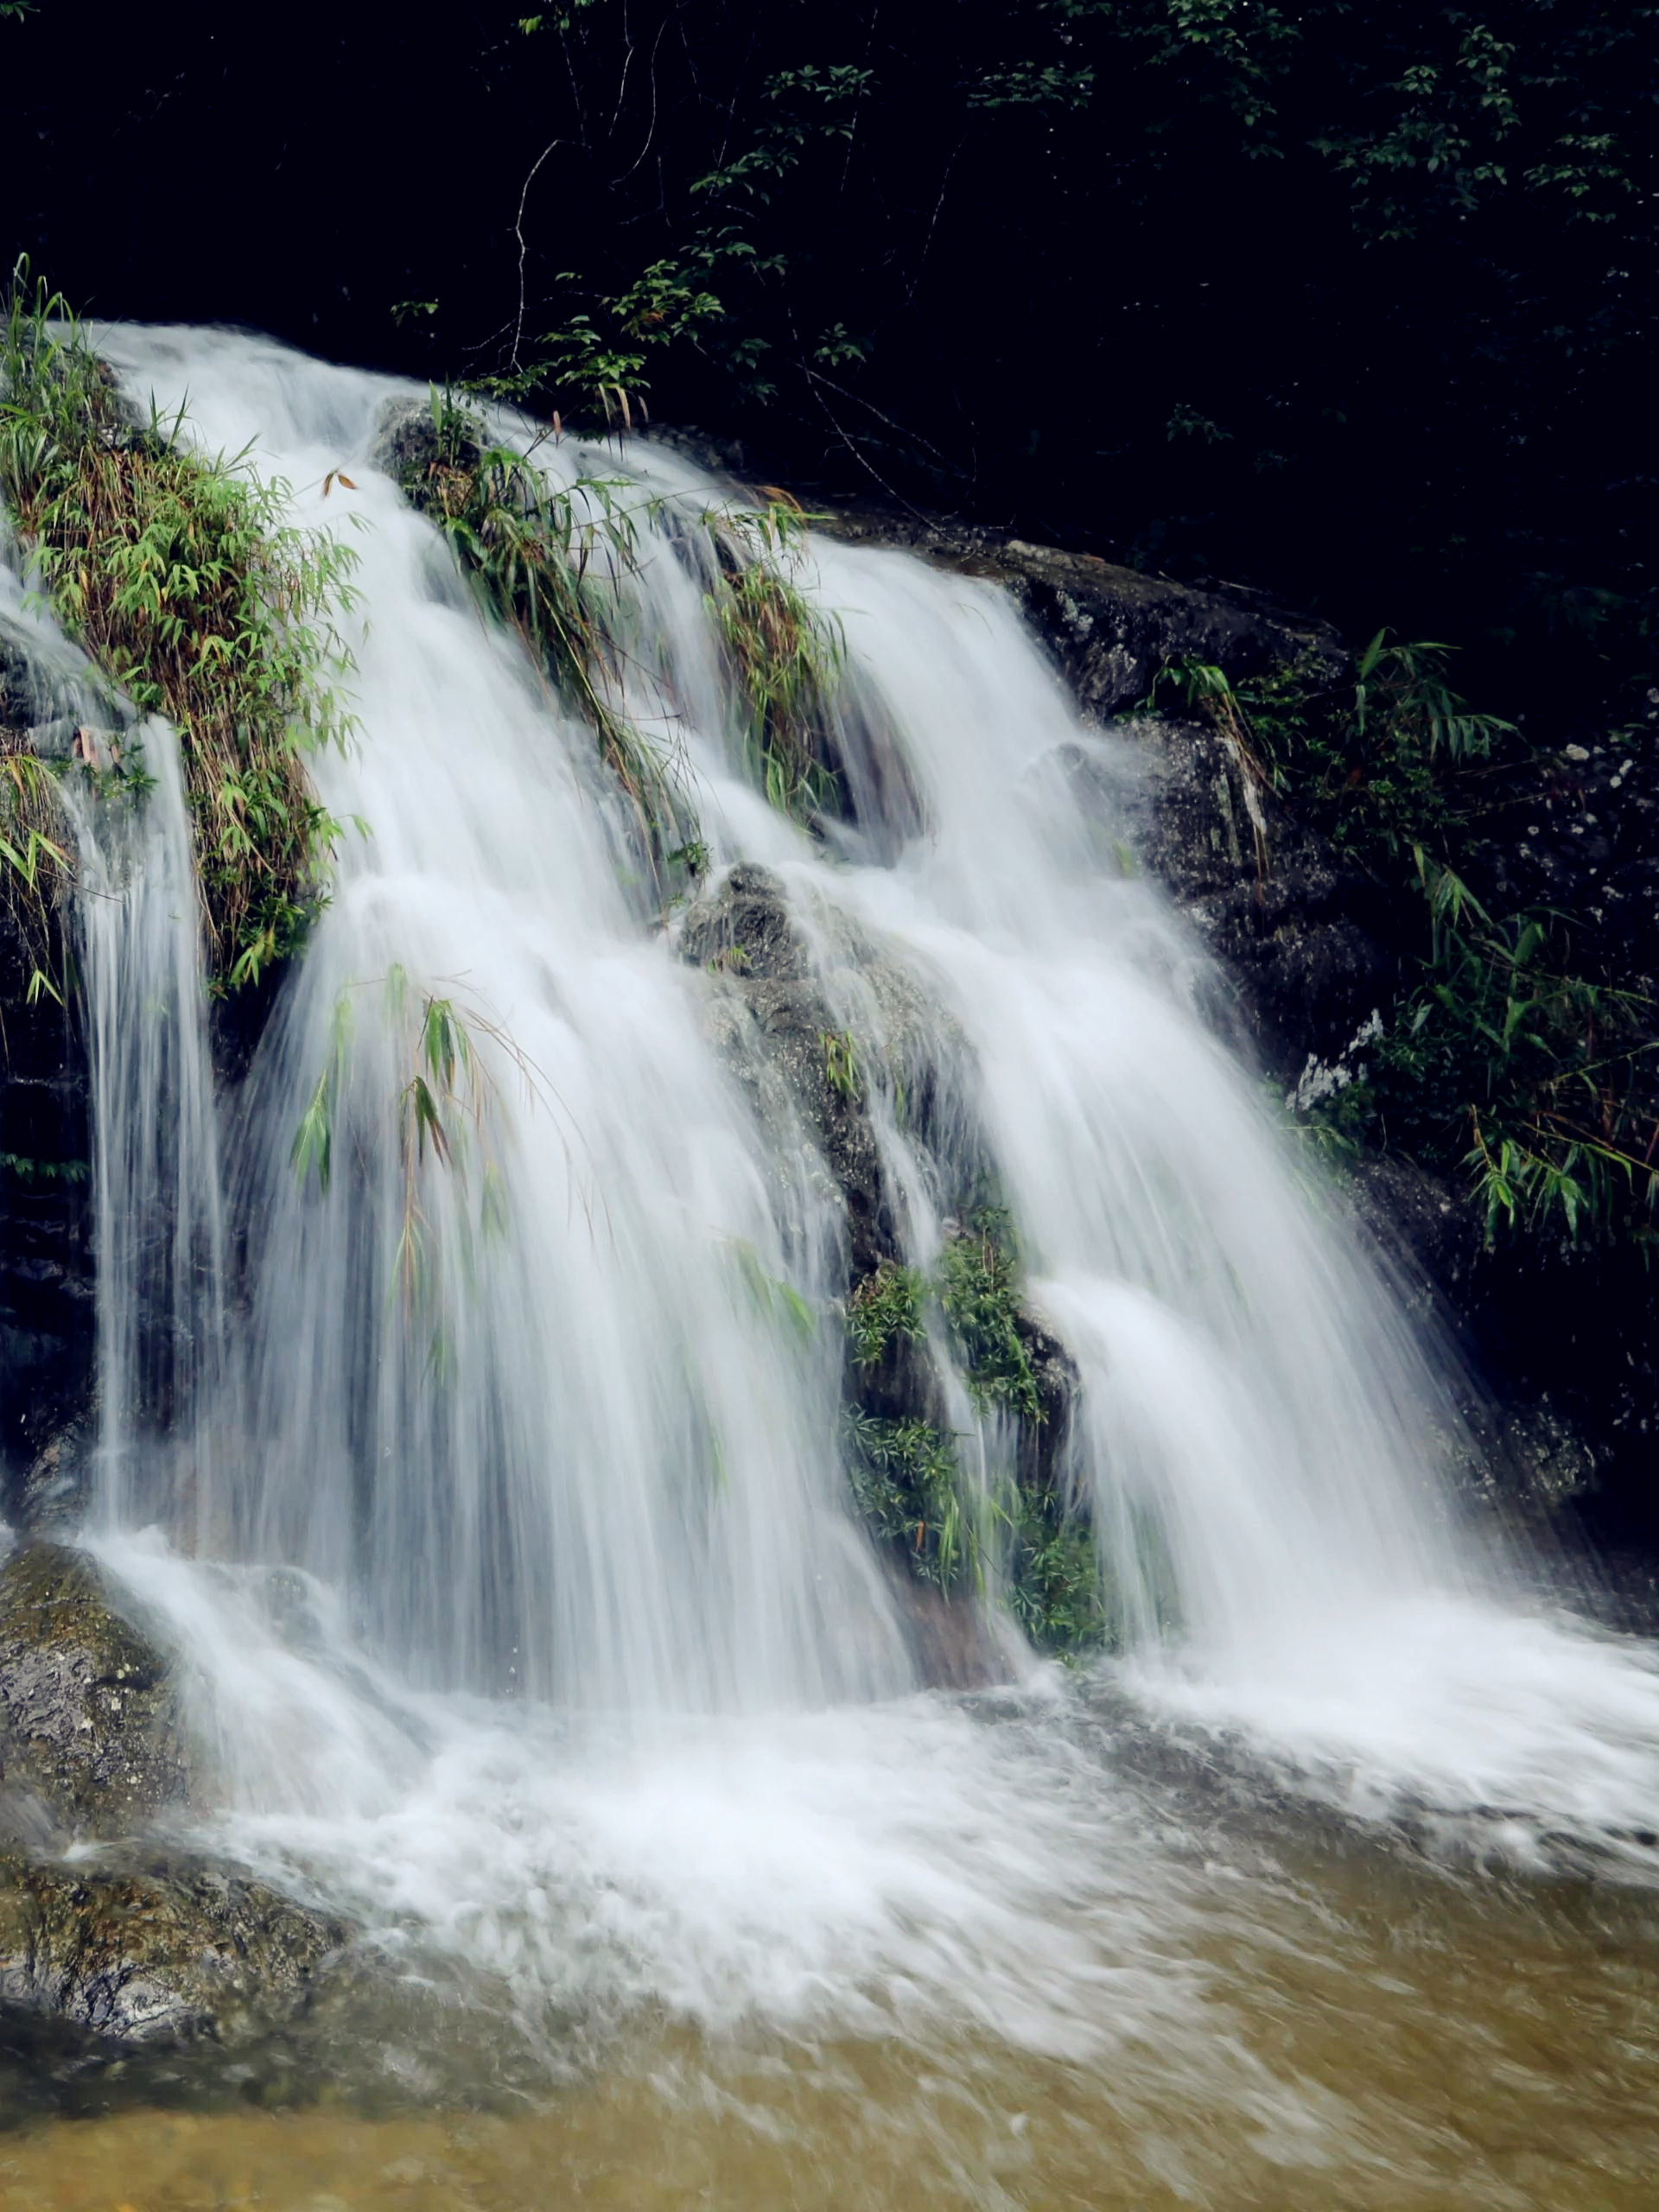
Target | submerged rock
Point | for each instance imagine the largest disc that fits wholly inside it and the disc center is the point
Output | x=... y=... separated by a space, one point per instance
x=89 y=1725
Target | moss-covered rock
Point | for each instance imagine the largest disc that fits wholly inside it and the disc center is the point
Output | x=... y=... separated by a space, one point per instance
x=772 y=1021
x=89 y=1724
x=142 y=1948
x=774 y=1018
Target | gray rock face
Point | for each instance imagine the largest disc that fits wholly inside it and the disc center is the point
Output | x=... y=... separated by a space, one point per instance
x=1300 y=934
x=1303 y=936
x=88 y=1723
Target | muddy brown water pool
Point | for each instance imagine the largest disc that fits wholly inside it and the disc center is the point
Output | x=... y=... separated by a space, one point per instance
x=1374 y=2031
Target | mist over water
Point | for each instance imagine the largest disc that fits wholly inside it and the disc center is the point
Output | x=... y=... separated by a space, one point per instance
x=525 y=1612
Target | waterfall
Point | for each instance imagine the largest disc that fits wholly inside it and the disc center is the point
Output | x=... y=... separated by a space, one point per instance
x=156 y=1183
x=135 y=934
x=593 y=1638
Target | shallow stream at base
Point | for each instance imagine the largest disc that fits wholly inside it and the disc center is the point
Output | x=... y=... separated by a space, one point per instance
x=1237 y=2002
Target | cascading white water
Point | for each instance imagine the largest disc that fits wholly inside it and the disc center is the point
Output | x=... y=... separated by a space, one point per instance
x=568 y=1447
x=158 y=1191
x=159 y=1231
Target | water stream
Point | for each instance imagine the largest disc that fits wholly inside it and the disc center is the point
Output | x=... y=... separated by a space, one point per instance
x=502 y=1526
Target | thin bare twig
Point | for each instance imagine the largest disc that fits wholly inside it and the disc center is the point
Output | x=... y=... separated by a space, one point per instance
x=944 y=182
x=519 y=232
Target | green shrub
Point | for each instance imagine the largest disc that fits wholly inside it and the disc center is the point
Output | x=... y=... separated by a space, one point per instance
x=1508 y=1059
x=887 y=1303
x=1055 y=1588
x=907 y=1484
x=979 y=1289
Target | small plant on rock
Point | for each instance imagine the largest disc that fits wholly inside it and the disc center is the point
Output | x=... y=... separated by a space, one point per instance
x=887 y=1306
x=783 y=656
x=978 y=1288
x=181 y=578
x=908 y=1487
x=552 y=559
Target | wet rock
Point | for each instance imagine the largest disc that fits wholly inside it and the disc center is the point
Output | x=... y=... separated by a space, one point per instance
x=143 y=1948
x=953 y=1640
x=89 y=1726
x=1041 y=1448
x=1550 y=1461
x=778 y=1025
x=46 y=1262
x=1111 y=628
x=53 y=1495
x=774 y=1025
x=1302 y=936
x=407 y=448
x=1307 y=941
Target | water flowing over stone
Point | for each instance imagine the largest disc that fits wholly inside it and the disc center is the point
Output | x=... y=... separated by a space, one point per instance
x=529 y=1604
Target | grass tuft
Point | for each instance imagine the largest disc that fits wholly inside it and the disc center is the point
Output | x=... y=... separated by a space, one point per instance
x=979 y=1289
x=551 y=560
x=887 y=1305
x=185 y=585
x=784 y=658
x=35 y=864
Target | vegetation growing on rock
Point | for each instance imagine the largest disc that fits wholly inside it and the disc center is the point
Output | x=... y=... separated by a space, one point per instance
x=887 y=1304
x=181 y=578
x=1520 y=1054
x=784 y=658
x=979 y=1291
x=553 y=559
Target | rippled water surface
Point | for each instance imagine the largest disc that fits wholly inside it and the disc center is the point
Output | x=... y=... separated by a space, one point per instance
x=1320 y=2016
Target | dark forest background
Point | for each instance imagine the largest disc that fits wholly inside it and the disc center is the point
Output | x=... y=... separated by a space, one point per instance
x=1354 y=306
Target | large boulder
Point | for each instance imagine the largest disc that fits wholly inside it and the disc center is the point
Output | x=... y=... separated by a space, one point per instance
x=90 y=1732
x=125 y=1941
x=141 y=1946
